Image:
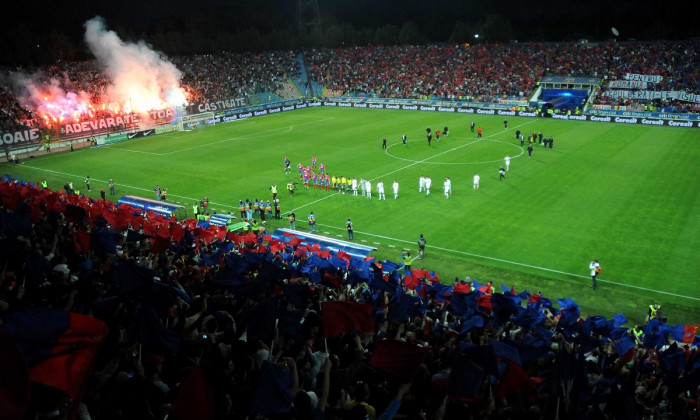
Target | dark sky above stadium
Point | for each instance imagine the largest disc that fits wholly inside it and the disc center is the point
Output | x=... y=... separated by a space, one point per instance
x=532 y=20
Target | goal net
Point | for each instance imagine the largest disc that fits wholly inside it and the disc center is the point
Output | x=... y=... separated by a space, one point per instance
x=191 y=122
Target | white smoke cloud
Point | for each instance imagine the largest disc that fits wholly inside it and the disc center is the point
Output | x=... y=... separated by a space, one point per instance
x=140 y=77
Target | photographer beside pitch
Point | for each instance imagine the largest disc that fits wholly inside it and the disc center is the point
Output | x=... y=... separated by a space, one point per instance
x=595 y=268
x=421 y=247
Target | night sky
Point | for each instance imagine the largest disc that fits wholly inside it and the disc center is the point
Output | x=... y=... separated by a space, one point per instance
x=634 y=18
x=29 y=23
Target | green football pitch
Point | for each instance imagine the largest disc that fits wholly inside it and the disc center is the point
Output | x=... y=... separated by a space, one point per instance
x=626 y=195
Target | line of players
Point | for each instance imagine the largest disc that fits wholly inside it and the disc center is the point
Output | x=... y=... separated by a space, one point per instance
x=363 y=187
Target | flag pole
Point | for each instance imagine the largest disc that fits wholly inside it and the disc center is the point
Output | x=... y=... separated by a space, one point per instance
x=272 y=343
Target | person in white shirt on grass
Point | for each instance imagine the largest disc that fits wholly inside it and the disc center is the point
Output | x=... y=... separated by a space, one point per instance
x=421 y=184
x=476 y=181
x=380 y=190
x=395 y=187
x=447 y=185
x=428 y=182
x=507 y=161
x=368 y=187
x=594 y=266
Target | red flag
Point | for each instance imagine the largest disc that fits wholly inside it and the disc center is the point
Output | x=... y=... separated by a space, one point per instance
x=220 y=233
x=420 y=274
x=110 y=216
x=689 y=333
x=195 y=400
x=332 y=280
x=514 y=380
x=485 y=302
x=81 y=241
x=344 y=316
x=177 y=231
x=35 y=213
x=52 y=201
x=206 y=234
x=71 y=358
x=122 y=219
x=10 y=198
x=487 y=289
x=410 y=282
x=464 y=288
x=294 y=241
x=276 y=246
x=160 y=244
x=398 y=358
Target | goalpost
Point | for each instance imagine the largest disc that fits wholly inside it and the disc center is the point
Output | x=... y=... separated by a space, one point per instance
x=191 y=122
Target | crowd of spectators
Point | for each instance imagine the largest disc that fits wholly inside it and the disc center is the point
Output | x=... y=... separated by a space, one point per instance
x=449 y=72
x=198 y=322
x=204 y=78
x=483 y=73
x=229 y=75
x=12 y=116
x=676 y=61
x=490 y=72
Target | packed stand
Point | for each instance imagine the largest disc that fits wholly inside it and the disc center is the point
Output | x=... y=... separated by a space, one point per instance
x=63 y=82
x=487 y=73
x=179 y=320
x=204 y=78
x=12 y=115
x=231 y=75
x=678 y=62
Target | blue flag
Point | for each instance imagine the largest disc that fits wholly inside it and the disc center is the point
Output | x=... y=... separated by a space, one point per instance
x=505 y=351
x=274 y=395
x=477 y=321
x=464 y=305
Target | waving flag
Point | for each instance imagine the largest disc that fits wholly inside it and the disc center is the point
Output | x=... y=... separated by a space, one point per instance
x=59 y=347
x=462 y=288
x=477 y=321
x=514 y=380
x=465 y=380
x=684 y=333
x=195 y=400
x=398 y=358
x=464 y=305
x=345 y=316
x=274 y=395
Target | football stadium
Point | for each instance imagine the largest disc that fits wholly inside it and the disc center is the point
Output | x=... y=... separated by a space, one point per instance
x=435 y=230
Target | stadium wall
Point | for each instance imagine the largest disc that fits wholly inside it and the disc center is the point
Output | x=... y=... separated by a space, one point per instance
x=453 y=109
